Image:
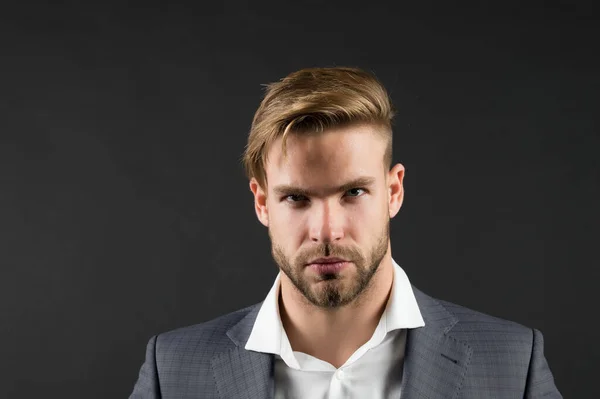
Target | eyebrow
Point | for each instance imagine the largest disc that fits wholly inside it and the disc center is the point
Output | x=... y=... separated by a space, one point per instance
x=362 y=181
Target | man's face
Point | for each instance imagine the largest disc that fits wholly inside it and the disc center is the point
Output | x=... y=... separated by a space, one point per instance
x=328 y=198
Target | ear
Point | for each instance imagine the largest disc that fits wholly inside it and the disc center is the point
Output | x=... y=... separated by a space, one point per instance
x=395 y=188
x=260 y=202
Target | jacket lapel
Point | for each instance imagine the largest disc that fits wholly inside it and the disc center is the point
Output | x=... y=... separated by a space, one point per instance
x=240 y=373
x=435 y=363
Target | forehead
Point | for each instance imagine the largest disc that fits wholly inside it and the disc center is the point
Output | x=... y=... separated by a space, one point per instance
x=325 y=159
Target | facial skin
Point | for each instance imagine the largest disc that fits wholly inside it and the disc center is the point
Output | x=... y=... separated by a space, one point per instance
x=331 y=196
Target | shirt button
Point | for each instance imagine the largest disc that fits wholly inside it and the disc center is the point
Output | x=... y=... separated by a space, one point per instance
x=339 y=374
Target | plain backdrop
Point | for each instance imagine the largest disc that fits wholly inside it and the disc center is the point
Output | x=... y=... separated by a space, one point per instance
x=125 y=212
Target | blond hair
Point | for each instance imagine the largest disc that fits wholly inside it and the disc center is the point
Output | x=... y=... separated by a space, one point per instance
x=311 y=100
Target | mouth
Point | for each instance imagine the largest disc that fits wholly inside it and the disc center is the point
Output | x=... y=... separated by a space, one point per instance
x=328 y=265
x=326 y=261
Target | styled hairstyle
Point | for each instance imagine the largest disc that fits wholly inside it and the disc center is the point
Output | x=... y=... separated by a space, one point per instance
x=312 y=100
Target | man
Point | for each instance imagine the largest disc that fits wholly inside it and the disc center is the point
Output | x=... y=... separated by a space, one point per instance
x=342 y=319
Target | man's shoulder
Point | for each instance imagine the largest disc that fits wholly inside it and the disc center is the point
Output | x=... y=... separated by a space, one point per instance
x=468 y=317
x=477 y=326
x=211 y=334
x=220 y=323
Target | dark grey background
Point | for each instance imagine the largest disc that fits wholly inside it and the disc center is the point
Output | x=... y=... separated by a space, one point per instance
x=124 y=211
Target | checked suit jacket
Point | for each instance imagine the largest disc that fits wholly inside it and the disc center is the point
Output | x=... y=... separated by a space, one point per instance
x=459 y=354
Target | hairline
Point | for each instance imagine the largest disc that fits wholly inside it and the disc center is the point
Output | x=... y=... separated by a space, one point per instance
x=379 y=128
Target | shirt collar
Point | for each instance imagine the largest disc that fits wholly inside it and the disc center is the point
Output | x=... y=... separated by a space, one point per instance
x=268 y=334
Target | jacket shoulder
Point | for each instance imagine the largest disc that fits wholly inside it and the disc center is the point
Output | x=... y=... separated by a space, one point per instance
x=209 y=337
x=473 y=320
x=465 y=319
x=489 y=334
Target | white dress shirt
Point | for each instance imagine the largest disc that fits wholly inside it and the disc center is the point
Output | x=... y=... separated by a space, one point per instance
x=374 y=371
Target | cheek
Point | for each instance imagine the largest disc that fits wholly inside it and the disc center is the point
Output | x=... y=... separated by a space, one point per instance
x=286 y=227
x=370 y=211
x=366 y=219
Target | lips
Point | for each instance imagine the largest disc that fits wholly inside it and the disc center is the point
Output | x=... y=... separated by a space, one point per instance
x=328 y=265
x=324 y=261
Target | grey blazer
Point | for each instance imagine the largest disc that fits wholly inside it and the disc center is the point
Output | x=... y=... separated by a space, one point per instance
x=459 y=353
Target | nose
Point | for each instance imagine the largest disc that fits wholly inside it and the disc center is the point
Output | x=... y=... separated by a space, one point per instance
x=326 y=222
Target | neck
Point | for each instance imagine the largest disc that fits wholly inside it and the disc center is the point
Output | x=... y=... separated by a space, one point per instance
x=333 y=335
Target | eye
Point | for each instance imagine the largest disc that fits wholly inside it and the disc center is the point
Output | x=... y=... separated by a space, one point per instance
x=294 y=198
x=355 y=192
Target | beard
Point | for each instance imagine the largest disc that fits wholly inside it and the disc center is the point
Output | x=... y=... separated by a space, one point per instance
x=330 y=290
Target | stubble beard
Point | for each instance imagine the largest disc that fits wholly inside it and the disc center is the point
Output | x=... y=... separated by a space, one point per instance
x=332 y=292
